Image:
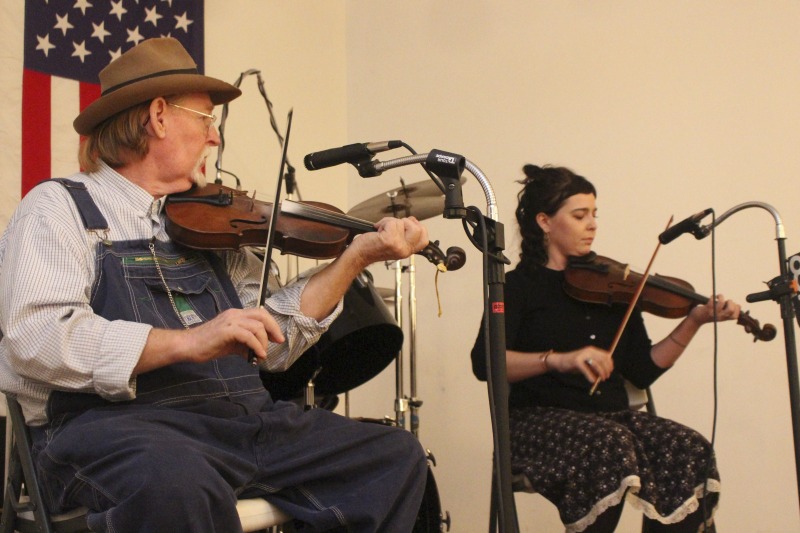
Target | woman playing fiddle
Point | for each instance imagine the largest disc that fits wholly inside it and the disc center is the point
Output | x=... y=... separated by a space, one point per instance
x=584 y=452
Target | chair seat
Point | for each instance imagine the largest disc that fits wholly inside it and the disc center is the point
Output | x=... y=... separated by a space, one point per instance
x=73 y=521
x=255 y=514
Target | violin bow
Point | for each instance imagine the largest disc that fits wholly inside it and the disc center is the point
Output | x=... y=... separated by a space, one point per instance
x=631 y=305
x=273 y=222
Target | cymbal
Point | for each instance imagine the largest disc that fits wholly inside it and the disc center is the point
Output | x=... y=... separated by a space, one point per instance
x=422 y=200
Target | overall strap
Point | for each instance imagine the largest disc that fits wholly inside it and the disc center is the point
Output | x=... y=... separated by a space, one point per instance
x=93 y=219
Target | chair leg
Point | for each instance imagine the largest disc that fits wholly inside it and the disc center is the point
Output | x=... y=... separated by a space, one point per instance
x=11 y=498
x=650 y=405
x=493 y=506
x=21 y=456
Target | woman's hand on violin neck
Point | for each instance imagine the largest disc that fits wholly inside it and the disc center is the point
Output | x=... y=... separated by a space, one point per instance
x=726 y=310
x=394 y=238
x=590 y=361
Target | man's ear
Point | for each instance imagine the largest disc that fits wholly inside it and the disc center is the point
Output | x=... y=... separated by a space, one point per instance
x=157 y=110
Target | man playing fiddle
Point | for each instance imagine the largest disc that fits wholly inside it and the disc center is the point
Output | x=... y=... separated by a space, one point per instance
x=128 y=352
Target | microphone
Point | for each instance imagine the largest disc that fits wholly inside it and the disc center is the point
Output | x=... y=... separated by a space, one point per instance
x=779 y=287
x=759 y=296
x=689 y=225
x=358 y=153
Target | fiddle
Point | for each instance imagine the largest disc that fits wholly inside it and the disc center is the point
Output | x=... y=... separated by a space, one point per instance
x=216 y=217
x=597 y=279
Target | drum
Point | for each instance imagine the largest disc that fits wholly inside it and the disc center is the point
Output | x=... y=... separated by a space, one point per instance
x=359 y=344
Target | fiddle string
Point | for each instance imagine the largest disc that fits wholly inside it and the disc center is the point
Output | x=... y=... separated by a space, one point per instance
x=324 y=215
x=631 y=305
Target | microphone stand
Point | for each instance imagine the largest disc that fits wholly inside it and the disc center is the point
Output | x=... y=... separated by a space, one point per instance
x=783 y=298
x=448 y=167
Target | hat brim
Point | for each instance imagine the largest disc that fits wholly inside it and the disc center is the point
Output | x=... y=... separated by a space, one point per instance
x=123 y=98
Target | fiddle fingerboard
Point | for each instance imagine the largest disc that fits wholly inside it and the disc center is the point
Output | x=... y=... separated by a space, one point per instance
x=323 y=215
x=661 y=283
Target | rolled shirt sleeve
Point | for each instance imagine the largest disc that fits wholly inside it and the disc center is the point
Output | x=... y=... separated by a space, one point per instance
x=283 y=304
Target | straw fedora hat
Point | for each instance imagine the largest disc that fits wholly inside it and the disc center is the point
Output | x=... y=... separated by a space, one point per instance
x=156 y=67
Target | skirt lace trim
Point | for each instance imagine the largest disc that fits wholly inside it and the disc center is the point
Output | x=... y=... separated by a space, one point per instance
x=631 y=486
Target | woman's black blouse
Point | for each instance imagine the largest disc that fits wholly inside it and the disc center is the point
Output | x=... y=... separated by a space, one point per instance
x=540 y=316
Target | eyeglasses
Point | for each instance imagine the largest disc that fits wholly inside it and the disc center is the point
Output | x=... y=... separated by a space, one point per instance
x=208 y=120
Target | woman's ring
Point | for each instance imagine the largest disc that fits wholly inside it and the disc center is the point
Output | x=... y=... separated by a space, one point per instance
x=589 y=361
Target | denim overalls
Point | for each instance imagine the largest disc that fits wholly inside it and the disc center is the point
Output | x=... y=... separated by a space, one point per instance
x=199 y=435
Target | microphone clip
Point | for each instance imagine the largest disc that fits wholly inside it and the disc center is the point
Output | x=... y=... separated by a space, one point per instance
x=699 y=231
x=366 y=167
x=449 y=167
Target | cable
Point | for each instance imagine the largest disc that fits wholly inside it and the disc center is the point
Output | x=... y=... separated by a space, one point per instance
x=433 y=177
x=290 y=170
x=238 y=183
x=715 y=374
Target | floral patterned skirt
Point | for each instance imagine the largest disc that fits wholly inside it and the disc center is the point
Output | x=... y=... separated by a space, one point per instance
x=587 y=462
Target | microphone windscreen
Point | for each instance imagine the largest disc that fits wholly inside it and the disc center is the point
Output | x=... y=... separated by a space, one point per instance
x=336 y=156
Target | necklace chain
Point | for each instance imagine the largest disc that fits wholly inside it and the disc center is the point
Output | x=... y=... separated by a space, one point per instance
x=164 y=281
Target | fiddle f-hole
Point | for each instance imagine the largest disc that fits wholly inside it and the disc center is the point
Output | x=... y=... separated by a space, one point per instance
x=245 y=222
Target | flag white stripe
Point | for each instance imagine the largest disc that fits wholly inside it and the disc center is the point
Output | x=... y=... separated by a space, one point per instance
x=65 y=104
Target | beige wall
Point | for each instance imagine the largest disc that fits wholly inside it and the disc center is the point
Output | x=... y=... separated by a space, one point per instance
x=668 y=107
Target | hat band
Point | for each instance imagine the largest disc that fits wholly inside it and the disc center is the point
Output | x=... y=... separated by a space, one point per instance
x=149 y=76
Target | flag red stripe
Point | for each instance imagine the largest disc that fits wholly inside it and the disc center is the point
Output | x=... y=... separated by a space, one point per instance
x=35 y=128
x=89 y=92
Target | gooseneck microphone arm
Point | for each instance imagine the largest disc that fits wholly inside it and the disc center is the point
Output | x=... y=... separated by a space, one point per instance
x=488 y=237
x=783 y=298
x=491 y=200
x=704 y=231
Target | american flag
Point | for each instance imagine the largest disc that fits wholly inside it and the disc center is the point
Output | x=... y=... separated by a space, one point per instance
x=67 y=43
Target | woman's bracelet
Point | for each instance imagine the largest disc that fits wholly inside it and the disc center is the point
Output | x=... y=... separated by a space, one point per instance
x=676 y=341
x=543 y=359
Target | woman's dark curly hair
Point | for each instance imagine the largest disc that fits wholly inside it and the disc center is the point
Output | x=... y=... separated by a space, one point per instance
x=545 y=191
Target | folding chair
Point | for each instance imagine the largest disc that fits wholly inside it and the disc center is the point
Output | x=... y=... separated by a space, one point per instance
x=24 y=510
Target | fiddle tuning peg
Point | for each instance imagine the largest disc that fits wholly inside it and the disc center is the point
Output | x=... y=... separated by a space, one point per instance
x=455 y=259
